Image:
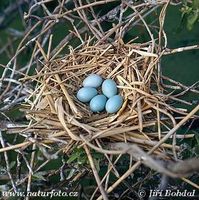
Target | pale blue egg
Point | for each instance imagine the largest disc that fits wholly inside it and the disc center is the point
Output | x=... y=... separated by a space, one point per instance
x=85 y=94
x=93 y=80
x=98 y=103
x=114 y=104
x=109 y=88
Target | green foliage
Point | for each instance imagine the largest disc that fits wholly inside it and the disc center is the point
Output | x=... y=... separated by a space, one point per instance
x=39 y=176
x=190 y=13
x=79 y=156
x=12 y=164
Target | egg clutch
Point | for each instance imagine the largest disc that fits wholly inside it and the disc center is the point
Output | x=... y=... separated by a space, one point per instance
x=104 y=98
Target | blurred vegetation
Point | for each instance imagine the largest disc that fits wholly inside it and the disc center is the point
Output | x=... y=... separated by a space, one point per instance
x=190 y=13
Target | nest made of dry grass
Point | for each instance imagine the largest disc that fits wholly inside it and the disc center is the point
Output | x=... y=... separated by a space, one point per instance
x=144 y=124
x=55 y=109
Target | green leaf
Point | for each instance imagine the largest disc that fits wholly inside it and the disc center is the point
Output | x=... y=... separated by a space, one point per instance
x=192 y=19
x=184 y=2
x=97 y=164
x=39 y=176
x=195 y=4
x=78 y=154
x=71 y=173
x=73 y=157
x=12 y=164
x=82 y=160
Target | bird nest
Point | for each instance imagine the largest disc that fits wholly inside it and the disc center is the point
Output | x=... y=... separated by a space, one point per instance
x=55 y=108
x=144 y=124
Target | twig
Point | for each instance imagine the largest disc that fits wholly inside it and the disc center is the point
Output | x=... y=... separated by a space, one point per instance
x=103 y=192
x=28 y=189
x=180 y=49
x=7 y=163
x=16 y=146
